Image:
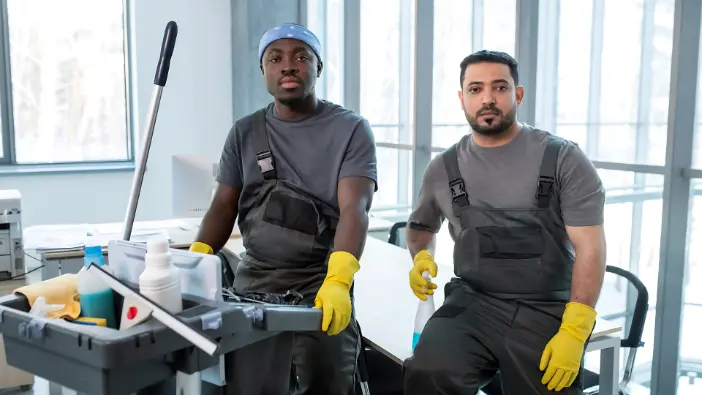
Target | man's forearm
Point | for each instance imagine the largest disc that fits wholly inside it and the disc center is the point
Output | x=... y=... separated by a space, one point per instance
x=351 y=231
x=588 y=275
x=418 y=240
x=216 y=227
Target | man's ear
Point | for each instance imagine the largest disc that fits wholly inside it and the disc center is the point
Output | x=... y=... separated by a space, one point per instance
x=320 y=66
x=261 y=66
x=519 y=93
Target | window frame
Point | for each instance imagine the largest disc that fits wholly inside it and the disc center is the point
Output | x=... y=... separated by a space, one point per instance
x=8 y=162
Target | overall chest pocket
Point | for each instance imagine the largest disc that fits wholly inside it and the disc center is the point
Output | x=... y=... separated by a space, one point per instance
x=291 y=213
x=522 y=242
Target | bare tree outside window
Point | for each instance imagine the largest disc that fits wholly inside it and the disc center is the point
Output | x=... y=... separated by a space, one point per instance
x=68 y=81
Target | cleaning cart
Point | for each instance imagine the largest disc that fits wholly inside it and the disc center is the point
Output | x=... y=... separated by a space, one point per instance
x=96 y=360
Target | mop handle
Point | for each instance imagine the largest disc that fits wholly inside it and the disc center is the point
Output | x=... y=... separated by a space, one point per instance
x=164 y=64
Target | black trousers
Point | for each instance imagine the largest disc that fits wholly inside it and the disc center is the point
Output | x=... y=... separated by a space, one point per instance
x=323 y=364
x=473 y=335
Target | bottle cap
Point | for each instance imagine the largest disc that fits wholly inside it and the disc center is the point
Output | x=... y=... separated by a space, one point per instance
x=157 y=245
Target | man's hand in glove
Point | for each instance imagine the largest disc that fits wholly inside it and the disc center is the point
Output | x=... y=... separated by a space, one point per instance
x=201 y=248
x=423 y=261
x=334 y=296
x=562 y=355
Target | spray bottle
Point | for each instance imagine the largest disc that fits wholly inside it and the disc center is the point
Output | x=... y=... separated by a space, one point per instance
x=425 y=310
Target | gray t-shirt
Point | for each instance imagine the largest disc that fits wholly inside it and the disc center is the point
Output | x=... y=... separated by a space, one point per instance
x=506 y=177
x=312 y=153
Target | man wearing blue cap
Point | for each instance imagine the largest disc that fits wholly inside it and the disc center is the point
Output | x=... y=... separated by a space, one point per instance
x=300 y=175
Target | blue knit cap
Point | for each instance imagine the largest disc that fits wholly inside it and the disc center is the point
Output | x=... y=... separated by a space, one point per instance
x=289 y=30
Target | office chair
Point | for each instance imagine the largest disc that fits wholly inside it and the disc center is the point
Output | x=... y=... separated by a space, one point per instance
x=632 y=340
x=394 y=236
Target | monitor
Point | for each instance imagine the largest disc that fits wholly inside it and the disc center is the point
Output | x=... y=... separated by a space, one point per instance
x=193 y=185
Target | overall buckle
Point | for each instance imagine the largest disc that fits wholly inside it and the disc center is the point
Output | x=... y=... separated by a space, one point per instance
x=458 y=188
x=545 y=187
x=265 y=161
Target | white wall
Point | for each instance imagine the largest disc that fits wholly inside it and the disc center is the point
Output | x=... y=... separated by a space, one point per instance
x=194 y=117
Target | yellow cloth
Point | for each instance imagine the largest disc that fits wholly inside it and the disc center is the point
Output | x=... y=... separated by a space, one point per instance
x=423 y=261
x=58 y=290
x=334 y=296
x=201 y=248
x=562 y=355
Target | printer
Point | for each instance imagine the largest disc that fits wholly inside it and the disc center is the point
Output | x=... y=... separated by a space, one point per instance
x=11 y=251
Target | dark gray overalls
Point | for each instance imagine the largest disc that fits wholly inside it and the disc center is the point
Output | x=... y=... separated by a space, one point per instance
x=288 y=236
x=513 y=268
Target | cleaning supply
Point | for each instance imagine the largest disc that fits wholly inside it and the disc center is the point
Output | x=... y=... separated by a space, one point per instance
x=425 y=310
x=60 y=290
x=96 y=298
x=160 y=280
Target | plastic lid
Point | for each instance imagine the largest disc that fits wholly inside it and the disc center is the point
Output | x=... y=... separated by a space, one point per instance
x=157 y=245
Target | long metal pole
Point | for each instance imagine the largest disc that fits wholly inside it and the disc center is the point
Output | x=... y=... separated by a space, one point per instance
x=164 y=64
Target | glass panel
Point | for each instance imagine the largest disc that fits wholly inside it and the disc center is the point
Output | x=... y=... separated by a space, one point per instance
x=574 y=41
x=446 y=136
x=380 y=61
x=394 y=178
x=326 y=20
x=499 y=25
x=620 y=61
x=68 y=80
x=452 y=25
x=690 y=363
x=621 y=133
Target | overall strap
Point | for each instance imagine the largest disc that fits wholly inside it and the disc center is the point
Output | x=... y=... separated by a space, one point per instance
x=547 y=174
x=459 y=196
x=263 y=151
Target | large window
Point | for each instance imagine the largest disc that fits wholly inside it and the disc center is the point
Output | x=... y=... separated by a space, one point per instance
x=326 y=19
x=386 y=89
x=612 y=97
x=63 y=85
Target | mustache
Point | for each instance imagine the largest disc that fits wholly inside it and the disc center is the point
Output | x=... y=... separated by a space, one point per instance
x=488 y=109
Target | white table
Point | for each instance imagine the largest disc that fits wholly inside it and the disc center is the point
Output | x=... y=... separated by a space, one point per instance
x=383 y=296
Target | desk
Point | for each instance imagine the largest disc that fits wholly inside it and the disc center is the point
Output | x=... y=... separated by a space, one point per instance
x=383 y=278
x=181 y=231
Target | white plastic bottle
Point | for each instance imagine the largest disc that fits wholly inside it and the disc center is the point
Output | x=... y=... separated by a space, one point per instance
x=425 y=310
x=160 y=280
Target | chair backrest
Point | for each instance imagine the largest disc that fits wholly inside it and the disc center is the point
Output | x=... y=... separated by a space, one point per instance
x=396 y=237
x=638 y=318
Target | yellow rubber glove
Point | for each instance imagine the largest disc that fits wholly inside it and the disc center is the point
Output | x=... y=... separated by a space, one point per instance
x=562 y=355
x=423 y=261
x=201 y=248
x=334 y=296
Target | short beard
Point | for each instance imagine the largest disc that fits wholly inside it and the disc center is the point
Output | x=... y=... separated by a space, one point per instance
x=494 y=129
